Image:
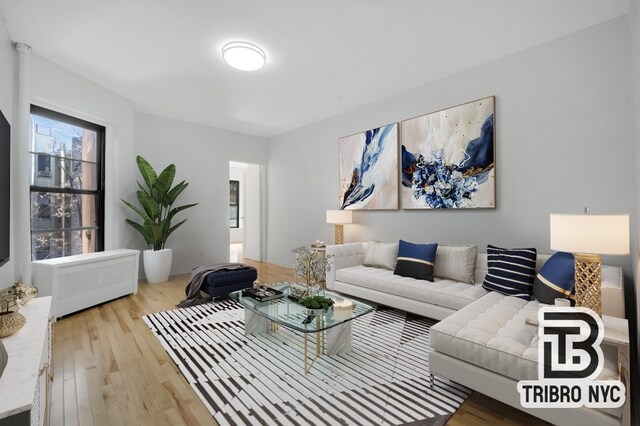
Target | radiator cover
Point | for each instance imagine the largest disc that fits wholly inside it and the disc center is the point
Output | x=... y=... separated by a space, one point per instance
x=82 y=281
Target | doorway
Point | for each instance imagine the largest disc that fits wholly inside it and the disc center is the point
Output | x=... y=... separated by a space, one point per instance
x=245 y=211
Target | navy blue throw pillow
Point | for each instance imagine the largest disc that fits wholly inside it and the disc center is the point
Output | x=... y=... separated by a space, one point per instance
x=556 y=279
x=511 y=271
x=416 y=260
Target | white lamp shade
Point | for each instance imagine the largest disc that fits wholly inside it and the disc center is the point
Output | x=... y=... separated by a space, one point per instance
x=590 y=234
x=339 y=216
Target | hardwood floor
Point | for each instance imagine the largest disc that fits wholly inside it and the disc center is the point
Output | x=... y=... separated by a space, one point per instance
x=110 y=369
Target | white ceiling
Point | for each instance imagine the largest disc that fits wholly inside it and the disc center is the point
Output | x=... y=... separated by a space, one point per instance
x=323 y=57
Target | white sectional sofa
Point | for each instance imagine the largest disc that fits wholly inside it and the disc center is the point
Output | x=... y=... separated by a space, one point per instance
x=483 y=340
x=437 y=299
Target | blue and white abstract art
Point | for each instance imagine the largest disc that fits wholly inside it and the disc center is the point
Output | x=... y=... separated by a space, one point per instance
x=448 y=158
x=369 y=170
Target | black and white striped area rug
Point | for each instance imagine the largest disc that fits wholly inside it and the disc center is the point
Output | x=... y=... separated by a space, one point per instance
x=259 y=380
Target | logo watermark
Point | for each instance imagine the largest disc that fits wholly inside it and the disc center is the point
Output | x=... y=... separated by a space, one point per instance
x=569 y=361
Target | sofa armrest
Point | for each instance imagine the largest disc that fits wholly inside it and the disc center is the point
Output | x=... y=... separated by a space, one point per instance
x=344 y=256
x=612 y=288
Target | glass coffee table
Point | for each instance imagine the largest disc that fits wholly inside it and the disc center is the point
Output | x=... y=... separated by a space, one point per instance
x=332 y=329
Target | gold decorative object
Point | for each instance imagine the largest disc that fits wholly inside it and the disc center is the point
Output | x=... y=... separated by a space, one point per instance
x=11 y=322
x=593 y=234
x=588 y=292
x=339 y=218
x=339 y=234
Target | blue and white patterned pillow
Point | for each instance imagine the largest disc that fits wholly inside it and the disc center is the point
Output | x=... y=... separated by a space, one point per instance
x=416 y=260
x=511 y=271
x=556 y=279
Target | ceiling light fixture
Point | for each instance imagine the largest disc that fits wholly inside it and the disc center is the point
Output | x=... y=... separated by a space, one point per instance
x=244 y=56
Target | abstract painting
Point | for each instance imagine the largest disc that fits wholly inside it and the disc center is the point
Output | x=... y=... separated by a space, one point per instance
x=448 y=158
x=369 y=170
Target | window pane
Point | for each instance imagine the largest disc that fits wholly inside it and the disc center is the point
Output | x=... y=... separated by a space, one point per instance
x=233 y=216
x=234 y=189
x=50 y=245
x=56 y=172
x=53 y=137
x=50 y=210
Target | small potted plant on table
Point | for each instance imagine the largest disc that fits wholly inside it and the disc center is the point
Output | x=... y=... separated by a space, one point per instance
x=317 y=305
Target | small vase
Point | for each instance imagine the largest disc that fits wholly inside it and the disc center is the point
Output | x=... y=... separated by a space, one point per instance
x=10 y=323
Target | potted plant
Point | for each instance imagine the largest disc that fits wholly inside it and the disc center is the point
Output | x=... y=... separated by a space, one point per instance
x=317 y=305
x=157 y=197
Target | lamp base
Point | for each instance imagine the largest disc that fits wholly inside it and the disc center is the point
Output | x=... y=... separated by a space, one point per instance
x=588 y=292
x=339 y=234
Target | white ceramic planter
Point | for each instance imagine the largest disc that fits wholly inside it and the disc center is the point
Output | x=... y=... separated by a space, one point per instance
x=157 y=265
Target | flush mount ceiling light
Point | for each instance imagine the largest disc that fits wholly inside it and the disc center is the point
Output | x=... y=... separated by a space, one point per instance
x=243 y=56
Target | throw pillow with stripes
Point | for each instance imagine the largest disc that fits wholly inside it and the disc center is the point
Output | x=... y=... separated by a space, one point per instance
x=556 y=279
x=416 y=260
x=511 y=271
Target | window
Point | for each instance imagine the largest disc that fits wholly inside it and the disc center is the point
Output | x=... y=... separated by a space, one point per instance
x=44 y=165
x=234 y=204
x=67 y=185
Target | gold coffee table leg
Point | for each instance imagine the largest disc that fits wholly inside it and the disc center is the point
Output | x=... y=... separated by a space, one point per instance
x=305 y=354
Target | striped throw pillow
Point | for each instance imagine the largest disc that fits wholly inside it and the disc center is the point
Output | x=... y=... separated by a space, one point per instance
x=511 y=271
x=416 y=260
x=556 y=279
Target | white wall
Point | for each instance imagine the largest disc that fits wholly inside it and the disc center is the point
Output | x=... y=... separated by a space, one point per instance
x=564 y=138
x=634 y=21
x=8 y=84
x=59 y=89
x=201 y=155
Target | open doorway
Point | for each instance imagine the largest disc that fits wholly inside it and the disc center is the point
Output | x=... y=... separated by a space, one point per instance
x=245 y=211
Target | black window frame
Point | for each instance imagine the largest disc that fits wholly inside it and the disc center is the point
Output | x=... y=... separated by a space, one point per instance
x=100 y=177
x=237 y=204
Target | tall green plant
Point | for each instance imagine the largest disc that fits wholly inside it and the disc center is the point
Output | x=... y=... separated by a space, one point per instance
x=156 y=198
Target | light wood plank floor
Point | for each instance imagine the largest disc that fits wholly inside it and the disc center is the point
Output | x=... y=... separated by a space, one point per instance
x=110 y=369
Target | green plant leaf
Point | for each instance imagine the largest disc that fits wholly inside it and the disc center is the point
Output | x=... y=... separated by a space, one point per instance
x=148 y=174
x=150 y=205
x=174 y=227
x=143 y=189
x=175 y=210
x=171 y=196
x=138 y=210
x=140 y=229
x=155 y=234
x=164 y=182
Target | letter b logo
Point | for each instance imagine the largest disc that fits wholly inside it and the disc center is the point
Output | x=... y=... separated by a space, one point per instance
x=569 y=343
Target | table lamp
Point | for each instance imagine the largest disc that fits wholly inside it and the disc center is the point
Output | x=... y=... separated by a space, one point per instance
x=339 y=218
x=588 y=236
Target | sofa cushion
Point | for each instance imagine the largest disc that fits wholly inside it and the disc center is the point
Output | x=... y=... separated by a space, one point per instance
x=416 y=260
x=556 y=279
x=511 y=271
x=381 y=255
x=457 y=263
x=441 y=292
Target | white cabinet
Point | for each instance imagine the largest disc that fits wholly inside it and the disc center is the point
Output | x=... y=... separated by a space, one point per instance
x=85 y=280
x=25 y=383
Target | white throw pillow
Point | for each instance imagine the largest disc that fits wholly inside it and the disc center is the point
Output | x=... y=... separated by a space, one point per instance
x=381 y=255
x=457 y=263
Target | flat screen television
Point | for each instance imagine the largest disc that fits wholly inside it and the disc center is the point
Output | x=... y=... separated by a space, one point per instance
x=5 y=189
